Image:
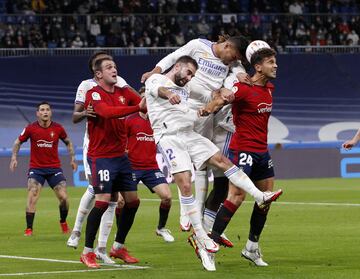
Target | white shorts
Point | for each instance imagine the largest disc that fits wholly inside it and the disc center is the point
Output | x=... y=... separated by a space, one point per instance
x=86 y=164
x=205 y=126
x=185 y=148
x=222 y=140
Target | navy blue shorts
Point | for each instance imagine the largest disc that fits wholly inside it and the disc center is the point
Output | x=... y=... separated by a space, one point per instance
x=150 y=178
x=257 y=165
x=110 y=175
x=53 y=176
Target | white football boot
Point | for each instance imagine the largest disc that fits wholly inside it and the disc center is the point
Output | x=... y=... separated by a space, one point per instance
x=165 y=234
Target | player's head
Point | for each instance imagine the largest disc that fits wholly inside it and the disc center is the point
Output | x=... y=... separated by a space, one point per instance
x=264 y=62
x=43 y=111
x=184 y=70
x=105 y=70
x=96 y=55
x=232 y=48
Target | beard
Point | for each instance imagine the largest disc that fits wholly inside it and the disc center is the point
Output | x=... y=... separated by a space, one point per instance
x=178 y=80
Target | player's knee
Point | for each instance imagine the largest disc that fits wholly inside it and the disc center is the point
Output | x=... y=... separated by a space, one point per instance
x=166 y=200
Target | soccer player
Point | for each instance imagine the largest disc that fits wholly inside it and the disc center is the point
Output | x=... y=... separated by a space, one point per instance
x=353 y=142
x=251 y=108
x=173 y=121
x=110 y=167
x=87 y=200
x=44 y=137
x=214 y=59
x=142 y=155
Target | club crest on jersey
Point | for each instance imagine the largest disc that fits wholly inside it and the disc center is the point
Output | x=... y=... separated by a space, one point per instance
x=122 y=100
x=95 y=96
x=234 y=89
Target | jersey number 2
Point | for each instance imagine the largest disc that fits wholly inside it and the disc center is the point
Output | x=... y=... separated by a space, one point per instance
x=245 y=159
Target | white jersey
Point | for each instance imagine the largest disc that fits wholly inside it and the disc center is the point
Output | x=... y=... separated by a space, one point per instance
x=210 y=74
x=223 y=117
x=166 y=118
x=84 y=87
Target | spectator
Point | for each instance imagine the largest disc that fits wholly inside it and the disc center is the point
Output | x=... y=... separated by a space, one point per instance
x=95 y=28
x=295 y=8
x=77 y=42
x=353 y=38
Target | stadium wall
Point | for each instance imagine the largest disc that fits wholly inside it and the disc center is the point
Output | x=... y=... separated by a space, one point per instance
x=296 y=161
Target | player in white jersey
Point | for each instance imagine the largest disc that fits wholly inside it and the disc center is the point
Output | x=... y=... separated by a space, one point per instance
x=87 y=200
x=172 y=118
x=213 y=59
x=223 y=131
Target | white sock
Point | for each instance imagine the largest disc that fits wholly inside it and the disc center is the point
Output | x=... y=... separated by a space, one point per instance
x=107 y=221
x=86 y=203
x=242 y=181
x=209 y=219
x=117 y=245
x=87 y=250
x=192 y=210
x=251 y=246
x=201 y=188
x=182 y=209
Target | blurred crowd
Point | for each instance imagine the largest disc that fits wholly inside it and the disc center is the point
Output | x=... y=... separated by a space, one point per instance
x=165 y=23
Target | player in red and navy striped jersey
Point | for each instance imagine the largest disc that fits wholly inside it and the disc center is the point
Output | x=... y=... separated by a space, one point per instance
x=252 y=106
x=110 y=167
x=44 y=136
x=142 y=155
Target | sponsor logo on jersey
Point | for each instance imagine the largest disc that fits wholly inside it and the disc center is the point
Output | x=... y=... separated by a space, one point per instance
x=183 y=93
x=211 y=68
x=264 y=108
x=95 y=96
x=144 y=137
x=44 y=144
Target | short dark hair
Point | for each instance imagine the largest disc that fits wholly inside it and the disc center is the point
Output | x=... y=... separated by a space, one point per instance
x=97 y=64
x=42 y=103
x=93 y=57
x=187 y=59
x=240 y=43
x=261 y=54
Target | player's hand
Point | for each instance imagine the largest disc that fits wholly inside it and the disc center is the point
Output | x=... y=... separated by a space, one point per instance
x=13 y=164
x=244 y=78
x=227 y=95
x=203 y=112
x=90 y=112
x=174 y=99
x=349 y=144
x=145 y=76
x=142 y=105
x=73 y=165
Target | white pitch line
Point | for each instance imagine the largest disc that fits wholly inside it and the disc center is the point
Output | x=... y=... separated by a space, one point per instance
x=288 y=203
x=66 y=271
x=117 y=266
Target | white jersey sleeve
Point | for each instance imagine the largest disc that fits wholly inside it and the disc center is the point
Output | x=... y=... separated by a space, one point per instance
x=171 y=58
x=121 y=82
x=238 y=68
x=84 y=87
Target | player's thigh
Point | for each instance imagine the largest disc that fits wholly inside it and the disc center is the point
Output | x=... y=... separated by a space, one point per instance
x=60 y=190
x=243 y=160
x=175 y=154
x=34 y=188
x=263 y=170
x=163 y=191
x=104 y=172
x=221 y=139
x=200 y=149
x=205 y=126
x=156 y=182
x=125 y=181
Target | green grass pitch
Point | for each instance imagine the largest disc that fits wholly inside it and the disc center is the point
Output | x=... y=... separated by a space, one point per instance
x=312 y=232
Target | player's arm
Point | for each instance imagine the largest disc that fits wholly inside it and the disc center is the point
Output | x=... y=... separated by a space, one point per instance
x=80 y=113
x=173 y=98
x=15 y=151
x=351 y=143
x=70 y=148
x=171 y=58
x=221 y=98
